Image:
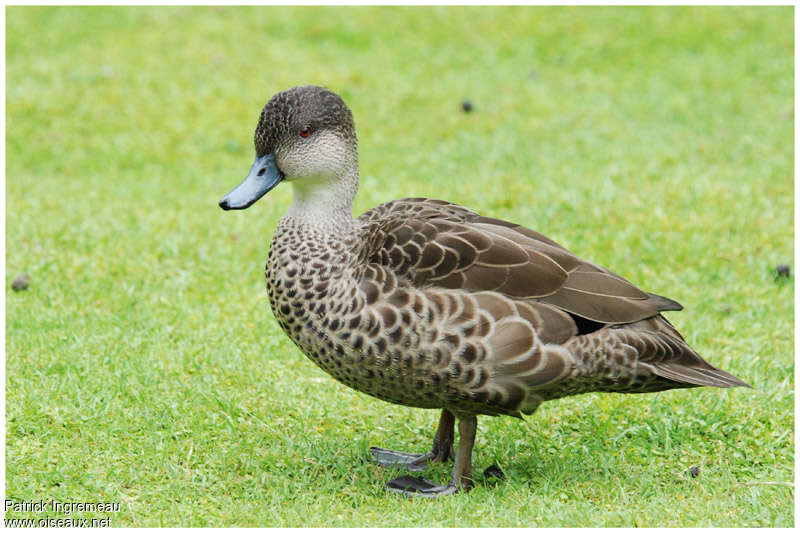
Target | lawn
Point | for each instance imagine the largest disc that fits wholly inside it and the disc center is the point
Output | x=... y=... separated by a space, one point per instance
x=144 y=367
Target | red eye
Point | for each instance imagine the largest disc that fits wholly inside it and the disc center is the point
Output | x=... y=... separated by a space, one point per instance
x=305 y=132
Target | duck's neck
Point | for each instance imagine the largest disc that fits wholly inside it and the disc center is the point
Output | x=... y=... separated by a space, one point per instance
x=326 y=204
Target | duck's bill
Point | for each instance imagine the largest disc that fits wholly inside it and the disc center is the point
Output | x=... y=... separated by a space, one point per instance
x=263 y=177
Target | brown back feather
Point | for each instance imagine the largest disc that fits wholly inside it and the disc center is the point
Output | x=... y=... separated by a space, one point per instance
x=436 y=243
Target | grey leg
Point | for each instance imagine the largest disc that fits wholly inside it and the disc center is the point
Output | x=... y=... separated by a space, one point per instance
x=443 y=441
x=441 y=451
x=462 y=470
x=461 y=478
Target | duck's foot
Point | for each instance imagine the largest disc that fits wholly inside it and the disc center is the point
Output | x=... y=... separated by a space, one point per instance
x=410 y=461
x=415 y=486
x=460 y=479
x=441 y=451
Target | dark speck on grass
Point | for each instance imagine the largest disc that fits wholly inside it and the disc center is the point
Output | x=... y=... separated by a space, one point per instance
x=21 y=282
x=783 y=271
x=694 y=471
x=466 y=105
x=493 y=472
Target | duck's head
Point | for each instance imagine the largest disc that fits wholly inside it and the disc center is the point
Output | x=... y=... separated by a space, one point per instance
x=304 y=135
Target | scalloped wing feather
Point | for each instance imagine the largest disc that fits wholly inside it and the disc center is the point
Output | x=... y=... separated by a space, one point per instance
x=436 y=243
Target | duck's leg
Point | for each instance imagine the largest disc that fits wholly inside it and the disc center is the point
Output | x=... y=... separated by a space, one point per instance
x=461 y=478
x=441 y=451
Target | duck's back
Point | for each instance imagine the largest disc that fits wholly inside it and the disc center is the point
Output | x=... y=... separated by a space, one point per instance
x=439 y=244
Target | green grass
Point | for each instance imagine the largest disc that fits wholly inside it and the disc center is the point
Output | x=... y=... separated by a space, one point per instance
x=144 y=366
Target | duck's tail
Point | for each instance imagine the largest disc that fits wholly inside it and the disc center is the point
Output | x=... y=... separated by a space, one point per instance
x=664 y=352
x=705 y=376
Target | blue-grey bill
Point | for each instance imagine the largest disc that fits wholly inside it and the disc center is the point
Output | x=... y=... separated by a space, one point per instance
x=263 y=177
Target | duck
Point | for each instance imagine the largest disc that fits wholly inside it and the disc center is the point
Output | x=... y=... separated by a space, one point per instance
x=424 y=303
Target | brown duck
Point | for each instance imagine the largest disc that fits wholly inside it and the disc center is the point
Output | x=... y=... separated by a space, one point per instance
x=424 y=303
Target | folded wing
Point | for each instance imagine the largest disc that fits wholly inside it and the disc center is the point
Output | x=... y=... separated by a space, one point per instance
x=440 y=244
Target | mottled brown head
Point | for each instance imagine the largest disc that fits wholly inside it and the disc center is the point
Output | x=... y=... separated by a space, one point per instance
x=291 y=113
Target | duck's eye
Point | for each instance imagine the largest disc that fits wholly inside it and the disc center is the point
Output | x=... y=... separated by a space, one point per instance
x=305 y=132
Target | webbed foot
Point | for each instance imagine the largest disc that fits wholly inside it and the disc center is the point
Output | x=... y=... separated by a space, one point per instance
x=441 y=451
x=415 y=486
x=461 y=477
x=410 y=461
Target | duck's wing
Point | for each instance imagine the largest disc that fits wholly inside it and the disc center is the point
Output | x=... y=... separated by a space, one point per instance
x=533 y=290
x=436 y=243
